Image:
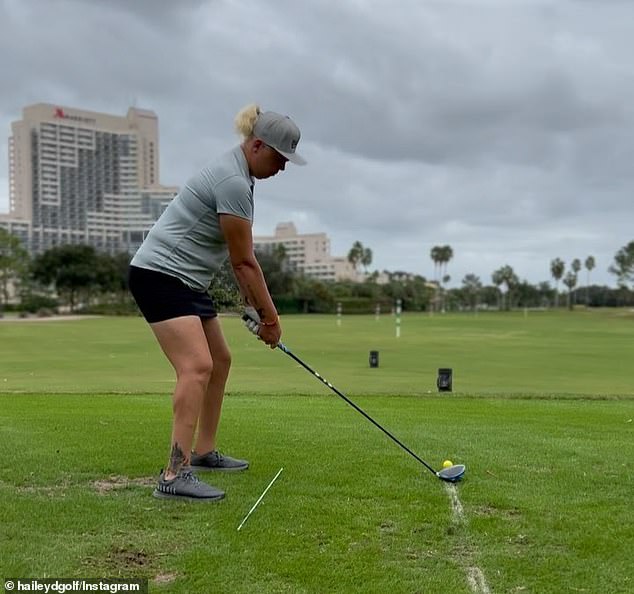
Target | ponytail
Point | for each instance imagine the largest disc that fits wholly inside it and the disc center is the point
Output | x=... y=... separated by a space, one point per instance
x=245 y=120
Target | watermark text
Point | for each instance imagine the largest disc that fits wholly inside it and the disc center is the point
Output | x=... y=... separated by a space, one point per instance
x=62 y=585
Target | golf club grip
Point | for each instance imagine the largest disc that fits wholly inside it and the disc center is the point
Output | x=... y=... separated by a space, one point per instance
x=286 y=350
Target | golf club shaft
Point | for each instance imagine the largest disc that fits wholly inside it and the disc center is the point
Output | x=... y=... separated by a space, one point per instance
x=286 y=350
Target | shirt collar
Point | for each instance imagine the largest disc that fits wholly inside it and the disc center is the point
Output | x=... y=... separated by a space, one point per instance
x=244 y=166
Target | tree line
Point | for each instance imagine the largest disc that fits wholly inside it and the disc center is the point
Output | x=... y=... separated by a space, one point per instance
x=78 y=278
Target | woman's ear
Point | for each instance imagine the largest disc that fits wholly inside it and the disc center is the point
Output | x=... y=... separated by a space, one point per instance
x=257 y=144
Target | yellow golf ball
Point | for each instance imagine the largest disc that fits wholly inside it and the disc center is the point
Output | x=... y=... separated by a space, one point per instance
x=447 y=464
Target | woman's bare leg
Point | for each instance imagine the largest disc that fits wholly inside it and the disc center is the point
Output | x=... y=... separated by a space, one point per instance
x=185 y=344
x=212 y=401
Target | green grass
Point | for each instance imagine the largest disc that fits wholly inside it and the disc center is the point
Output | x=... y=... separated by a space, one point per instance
x=541 y=414
x=587 y=353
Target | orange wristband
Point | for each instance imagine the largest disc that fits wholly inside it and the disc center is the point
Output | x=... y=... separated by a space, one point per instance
x=263 y=323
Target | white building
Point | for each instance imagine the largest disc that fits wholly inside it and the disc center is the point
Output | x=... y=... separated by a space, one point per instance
x=309 y=253
x=82 y=177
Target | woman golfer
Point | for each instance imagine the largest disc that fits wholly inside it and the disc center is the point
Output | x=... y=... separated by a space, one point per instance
x=208 y=220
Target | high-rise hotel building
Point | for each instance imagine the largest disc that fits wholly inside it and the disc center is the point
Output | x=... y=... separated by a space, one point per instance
x=81 y=177
x=309 y=253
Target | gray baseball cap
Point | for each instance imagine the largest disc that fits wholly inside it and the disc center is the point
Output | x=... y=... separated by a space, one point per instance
x=280 y=133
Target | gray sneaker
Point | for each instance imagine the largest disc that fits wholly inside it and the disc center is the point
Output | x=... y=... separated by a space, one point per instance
x=186 y=485
x=216 y=461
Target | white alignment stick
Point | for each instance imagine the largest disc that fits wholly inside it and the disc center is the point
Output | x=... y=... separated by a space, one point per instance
x=260 y=498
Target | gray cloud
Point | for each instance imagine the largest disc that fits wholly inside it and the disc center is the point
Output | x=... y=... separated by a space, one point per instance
x=502 y=129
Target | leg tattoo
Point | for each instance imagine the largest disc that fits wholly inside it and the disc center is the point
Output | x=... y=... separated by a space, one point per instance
x=177 y=459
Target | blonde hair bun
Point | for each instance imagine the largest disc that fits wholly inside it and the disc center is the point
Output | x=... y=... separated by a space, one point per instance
x=246 y=118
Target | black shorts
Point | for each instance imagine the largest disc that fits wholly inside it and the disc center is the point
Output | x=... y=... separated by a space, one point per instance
x=161 y=296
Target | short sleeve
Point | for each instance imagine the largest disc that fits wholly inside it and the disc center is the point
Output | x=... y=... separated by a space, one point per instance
x=234 y=197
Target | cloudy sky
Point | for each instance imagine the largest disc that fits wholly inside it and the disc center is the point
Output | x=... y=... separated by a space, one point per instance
x=504 y=128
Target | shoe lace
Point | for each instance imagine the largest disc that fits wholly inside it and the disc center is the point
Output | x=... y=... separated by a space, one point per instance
x=189 y=476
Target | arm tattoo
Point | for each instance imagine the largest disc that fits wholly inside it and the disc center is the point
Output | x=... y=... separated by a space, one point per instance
x=177 y=459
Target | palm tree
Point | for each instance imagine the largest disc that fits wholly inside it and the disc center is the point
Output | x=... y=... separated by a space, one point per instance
x=590 y=264
x=355 y=254
x=506 y=276
x=570 y=280
x=511 y=281
x=498 y=280
x=576 y=267
x=447 y=255
x=436 y=256
x=557 y=268
x=366 y=258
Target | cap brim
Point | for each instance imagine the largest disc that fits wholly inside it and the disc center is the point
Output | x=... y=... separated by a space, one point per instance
x=293 y=158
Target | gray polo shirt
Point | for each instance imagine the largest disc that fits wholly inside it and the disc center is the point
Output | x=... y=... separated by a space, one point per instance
x=187 y=241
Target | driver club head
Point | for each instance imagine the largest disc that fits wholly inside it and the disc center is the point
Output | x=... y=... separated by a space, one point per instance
x=452 y=474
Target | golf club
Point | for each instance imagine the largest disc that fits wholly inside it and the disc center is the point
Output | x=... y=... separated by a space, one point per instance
x=451 y=474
